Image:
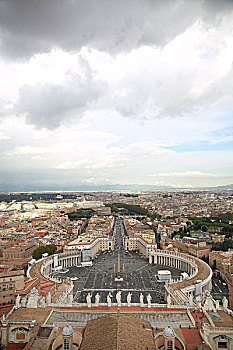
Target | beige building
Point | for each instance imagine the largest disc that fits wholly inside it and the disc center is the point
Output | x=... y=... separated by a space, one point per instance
x=9 y=283
x=222 y=260
x=19 y=252
x=96 y=245
x=138 y=243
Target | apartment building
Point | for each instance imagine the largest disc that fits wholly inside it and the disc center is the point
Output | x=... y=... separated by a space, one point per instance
x=199 y=250
x=19 y=252
x=9 y=283
x=222 y=260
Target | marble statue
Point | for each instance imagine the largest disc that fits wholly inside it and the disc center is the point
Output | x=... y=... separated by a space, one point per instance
x=88 y=298
x=199 y=305
x=118 y=298
x=34 y=291
x=129 y=299
x=209 y=304
x=33 y=298
x=169 y=300
x=191 y=300
x=109 y=299
x=23 y=303
x=17 y=302
x=49 y=298
x=70 y=298
x=225 y=303
x=141 y=300
x=3 y=318
x=97 y=299
x=149 y=300
x=42 y=301
x=217 y=305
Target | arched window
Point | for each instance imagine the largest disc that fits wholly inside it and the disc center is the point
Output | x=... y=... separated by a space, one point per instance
x=170 y=345
x=66 y=344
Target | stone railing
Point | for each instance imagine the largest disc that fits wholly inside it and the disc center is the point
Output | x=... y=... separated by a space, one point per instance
x=153 y=305
x=30 y=323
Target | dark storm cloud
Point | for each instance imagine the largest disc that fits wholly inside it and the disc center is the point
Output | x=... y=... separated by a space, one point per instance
x=29 y=27
x=32 y=26
x=48 y=105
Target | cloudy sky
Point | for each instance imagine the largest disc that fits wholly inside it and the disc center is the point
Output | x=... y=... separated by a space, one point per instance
x=116 y=92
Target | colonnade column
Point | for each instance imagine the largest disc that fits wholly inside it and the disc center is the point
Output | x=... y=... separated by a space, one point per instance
x=150 y=259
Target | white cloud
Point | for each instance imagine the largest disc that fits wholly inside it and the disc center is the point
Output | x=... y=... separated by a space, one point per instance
x=192 y=72
x=185 y=174
x=28 y=150
x=175 y=185
x=70 y=165
x=146 y=149
x=3 y=136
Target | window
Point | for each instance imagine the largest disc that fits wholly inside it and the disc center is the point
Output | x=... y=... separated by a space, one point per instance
x=4 y=287
x=170 y=345
x=222 y=345
x=66 y=344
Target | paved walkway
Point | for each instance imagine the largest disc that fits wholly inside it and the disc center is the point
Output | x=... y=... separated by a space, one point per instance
x=138 y=275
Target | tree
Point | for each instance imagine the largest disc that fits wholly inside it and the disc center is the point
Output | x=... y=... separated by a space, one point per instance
x=223 y=246
x=50 y=249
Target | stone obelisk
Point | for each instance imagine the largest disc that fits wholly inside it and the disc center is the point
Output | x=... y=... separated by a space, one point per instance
x=119 y=278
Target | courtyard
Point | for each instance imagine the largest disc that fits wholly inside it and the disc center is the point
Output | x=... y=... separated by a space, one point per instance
x=138 y=275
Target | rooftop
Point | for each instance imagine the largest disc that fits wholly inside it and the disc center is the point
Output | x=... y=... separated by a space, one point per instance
x=29 y=314
x=120 y=332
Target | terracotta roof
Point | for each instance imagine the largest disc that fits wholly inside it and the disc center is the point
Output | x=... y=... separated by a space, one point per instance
x=226 y=320
x=203 y=273
x=37 y=314
x=118 y=333
x=192 y=337
x=5 y=308
x=201 y=346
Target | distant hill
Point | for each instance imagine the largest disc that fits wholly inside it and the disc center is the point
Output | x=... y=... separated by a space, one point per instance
x=115 y=187
x=226 y=187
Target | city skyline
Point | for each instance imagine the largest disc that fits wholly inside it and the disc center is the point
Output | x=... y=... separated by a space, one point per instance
x=136 y=93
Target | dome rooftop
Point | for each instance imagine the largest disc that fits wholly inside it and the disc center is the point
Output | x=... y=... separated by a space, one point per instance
x=67 y=331
x=169 y=332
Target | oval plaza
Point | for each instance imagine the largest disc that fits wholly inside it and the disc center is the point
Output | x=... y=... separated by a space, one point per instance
x=157 y=273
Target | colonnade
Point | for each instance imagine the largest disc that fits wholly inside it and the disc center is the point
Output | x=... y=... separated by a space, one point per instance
x=185 y=263
x=64 y=259
x=175 y=260
x=69 y=261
